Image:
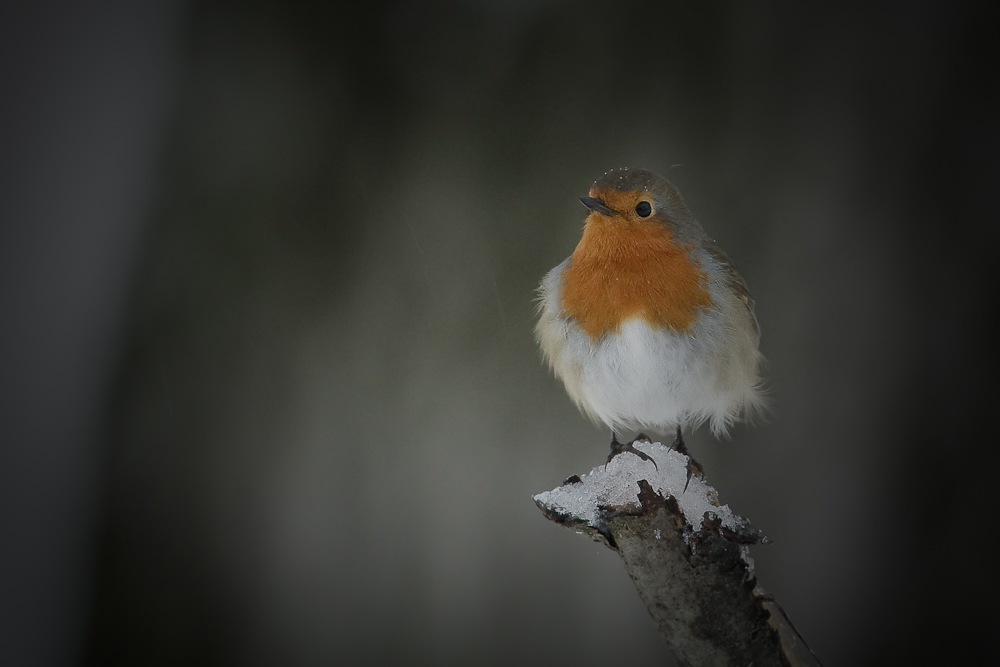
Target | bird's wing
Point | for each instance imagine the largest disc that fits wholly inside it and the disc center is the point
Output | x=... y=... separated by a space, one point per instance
x=734 y=280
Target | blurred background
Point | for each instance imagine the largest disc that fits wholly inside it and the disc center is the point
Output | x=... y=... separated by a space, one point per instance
x=268 y=387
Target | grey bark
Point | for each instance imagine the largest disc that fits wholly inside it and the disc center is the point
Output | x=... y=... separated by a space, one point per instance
x=694 y=574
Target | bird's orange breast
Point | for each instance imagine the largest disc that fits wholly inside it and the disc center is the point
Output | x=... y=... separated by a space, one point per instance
x=623 y=270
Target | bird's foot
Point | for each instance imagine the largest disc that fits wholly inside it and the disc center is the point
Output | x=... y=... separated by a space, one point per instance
x=692 y=465
x=619 y=448
x=679 y=443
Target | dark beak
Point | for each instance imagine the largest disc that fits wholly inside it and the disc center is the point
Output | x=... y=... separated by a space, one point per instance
x=596 y=205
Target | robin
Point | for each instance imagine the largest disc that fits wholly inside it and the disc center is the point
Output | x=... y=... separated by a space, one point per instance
x=647 y=323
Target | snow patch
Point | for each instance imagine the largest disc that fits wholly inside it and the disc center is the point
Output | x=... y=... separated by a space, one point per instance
x=617 y=485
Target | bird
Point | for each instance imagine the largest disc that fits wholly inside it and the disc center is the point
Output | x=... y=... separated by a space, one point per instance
x=647 y=323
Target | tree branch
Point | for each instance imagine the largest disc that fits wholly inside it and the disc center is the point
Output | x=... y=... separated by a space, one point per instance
x=688 y=555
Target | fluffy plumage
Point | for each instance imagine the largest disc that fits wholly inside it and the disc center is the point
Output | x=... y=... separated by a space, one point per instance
x=647 y=323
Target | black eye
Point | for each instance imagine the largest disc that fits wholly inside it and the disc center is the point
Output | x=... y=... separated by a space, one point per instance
x=643 y=209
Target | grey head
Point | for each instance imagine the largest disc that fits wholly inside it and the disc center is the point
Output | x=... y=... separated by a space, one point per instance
x=669 y=207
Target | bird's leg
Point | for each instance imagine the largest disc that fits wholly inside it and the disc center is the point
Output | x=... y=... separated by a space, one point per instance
x=692 y=465
x=618 y=448
x=679 y=442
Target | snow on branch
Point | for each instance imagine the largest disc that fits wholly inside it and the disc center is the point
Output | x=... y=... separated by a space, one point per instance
x=688 y=555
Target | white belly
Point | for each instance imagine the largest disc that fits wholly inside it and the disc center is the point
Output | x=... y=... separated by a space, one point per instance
x=643 y=378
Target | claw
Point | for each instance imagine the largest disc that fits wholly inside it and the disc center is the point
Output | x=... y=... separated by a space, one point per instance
x=692 y=465
x=618 y=448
